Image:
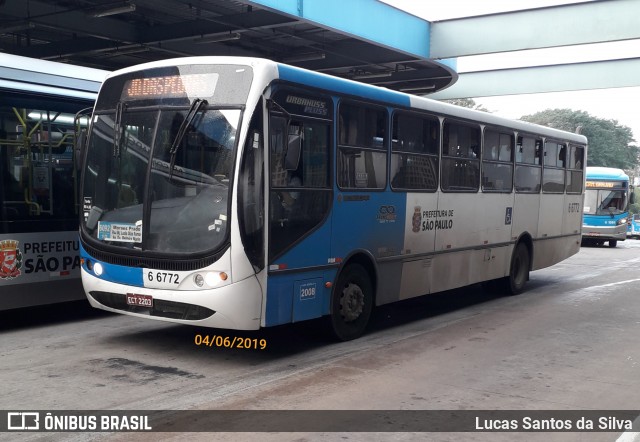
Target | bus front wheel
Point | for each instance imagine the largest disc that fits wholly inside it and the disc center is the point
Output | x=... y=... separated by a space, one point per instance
x=613 y=242
x=519 y=270
x=351 y=303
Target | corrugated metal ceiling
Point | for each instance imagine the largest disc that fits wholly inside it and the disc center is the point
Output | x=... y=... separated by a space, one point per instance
x=78 y=32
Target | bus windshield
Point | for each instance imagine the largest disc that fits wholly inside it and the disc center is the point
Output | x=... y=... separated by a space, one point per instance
x=147 y=158
x=605 y=202
x=160 y=157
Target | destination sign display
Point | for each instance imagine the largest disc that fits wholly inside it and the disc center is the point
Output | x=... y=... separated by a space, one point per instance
x=172 y=86
x=605 y=184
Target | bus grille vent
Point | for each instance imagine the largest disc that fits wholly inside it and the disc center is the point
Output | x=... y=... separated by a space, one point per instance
x=161 y=308
x=152 y=263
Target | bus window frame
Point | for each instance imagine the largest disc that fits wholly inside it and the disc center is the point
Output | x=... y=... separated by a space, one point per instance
x=500 y=131
x=550 y=167
x=384 y=149
x=570 y=170
x=478 y=158
x=422 y=115
x=533 y=165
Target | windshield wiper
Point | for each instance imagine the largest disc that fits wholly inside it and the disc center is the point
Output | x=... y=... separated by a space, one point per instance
x=118 y=130
x=195 y=108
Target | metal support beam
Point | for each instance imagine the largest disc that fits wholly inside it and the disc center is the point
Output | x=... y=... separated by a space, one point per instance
x=567 y=77
x=367 y=20
x=582 y=23
x=152 y=36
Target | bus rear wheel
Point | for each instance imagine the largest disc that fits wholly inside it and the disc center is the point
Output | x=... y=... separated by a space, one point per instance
x=519 y=270
x=351 y=303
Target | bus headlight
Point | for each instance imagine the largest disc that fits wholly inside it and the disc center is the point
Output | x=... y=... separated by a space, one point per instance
x=622 y=221
x=198 y=280
x=98 y=269
x=214 y=278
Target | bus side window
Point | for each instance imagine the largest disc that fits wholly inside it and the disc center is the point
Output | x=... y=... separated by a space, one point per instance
x=414 y=158
x=553 y=176
x=362 y=151
x=575 y=173
x=497 y=165
x=528 y=173
x=460 y=157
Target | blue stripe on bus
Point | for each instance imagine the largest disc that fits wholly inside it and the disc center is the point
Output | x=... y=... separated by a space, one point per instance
x=603 y=220
x=285 y=302
x=383 y=211
x=114 y=273
x=296 y=296
x=342 y=86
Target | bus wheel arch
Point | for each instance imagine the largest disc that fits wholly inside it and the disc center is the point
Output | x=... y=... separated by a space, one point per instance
x=352 y=298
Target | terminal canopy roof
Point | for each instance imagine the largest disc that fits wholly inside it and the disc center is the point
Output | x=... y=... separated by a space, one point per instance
x=365 y=40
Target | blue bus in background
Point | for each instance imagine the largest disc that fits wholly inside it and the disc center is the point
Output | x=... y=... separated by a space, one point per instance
x=606 y=206
x=39 y=100
x=633 y=226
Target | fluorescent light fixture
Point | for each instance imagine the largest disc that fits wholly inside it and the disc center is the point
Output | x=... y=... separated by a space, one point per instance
x=42 y=116
x=130 y=51
x=129 y=7
x=218 y=38
x=17 y=27
x=417 y=89
x=372 y=75
x=310 y=56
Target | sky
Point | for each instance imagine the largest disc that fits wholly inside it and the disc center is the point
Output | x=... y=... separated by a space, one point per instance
x=620 y=104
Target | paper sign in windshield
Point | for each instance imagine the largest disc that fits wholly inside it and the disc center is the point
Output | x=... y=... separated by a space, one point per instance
x=119 y=232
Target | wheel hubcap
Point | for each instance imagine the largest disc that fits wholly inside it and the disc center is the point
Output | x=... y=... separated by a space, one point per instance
x=352 y=302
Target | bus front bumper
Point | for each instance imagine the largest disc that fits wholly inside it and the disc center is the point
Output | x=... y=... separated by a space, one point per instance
x=235 y=306
x=604 y=233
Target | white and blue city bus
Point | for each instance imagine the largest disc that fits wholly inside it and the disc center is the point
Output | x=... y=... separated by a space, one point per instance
x=606 y=206
x=242 y=193
x=38 y=197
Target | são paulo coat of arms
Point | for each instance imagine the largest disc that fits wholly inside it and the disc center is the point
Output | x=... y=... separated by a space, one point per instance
x=11 y=259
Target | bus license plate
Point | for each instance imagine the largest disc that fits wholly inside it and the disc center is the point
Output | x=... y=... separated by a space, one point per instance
x=139 y=300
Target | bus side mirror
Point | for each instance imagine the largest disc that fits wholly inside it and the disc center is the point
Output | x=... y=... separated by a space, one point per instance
x=292 y=158
x=80 y=135
x=632 y=198
x=78 y=148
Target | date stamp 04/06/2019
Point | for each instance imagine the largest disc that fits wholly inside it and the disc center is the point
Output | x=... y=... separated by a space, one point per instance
x=230 y=342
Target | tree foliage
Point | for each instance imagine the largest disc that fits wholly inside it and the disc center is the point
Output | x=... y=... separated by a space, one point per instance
x=467 y=102
x=610 y=144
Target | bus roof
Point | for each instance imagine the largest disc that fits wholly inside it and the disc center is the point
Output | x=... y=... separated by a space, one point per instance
x=48 y=77
x=606 y=173
x=389 y=96
x=363 y=91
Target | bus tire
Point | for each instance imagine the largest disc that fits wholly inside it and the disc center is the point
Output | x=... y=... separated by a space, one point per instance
x=519 y=270
x=613 y=242
x=351 y=303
